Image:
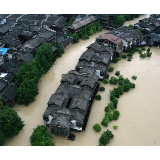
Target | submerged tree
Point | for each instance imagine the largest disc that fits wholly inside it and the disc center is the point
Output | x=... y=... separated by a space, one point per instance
x=10 y=123
x=105 y=138
x=41 y=137
x=27 y=91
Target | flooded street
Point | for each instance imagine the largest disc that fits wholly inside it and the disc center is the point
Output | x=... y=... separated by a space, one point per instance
x=139 y=108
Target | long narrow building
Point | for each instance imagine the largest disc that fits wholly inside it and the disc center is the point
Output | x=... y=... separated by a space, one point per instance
x=69 y=107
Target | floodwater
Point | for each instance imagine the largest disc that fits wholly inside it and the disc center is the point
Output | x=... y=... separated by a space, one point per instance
x=139 y=108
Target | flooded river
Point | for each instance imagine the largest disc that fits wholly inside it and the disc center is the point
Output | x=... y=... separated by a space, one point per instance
x=139 y=108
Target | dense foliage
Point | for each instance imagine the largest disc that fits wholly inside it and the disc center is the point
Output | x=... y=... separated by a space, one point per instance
x=10 y=123
x=2 y=138
x=128 y=59
x=29 y=74
x=117 y=73
x=140 y=29
x=98 y=97
x=134 y=77
x=41 y=137
x=26 y=92
x=110 y=69
x=105 y=121
x=115 y=127
x=116 y=114
x=89 y=30
x=113 y=80
x=70 y=21
x=105 y=138
x=97 y=127
x=28 y=71
x=101 y=89
x=105 y=81
x=124 y=56
x=121 y=19
x=106 y=76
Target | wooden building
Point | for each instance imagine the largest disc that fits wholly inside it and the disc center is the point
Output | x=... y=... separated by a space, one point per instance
x=76 y=26
x=8 y=95
x=68 y=108
x=112 y=41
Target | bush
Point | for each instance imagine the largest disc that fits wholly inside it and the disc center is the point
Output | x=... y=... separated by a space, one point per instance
x=105 y=81
x=112 y=95
x=97 y=127
x=140 y=29
x=117 y=73
x=143 y=55
x=136 y=49
x=105 y=138
x=132 y=51
x=115 y=102
x=130 y=54
x=10 y=123
x=143 y=48
x=114 y=60
x=130 y=26
x=149 y=54
x=148 y=50
x=128 y=59
x=2 y=138
x=116 y=114
x=105 y=121
x=132 y=85
x=110 y=69
x=126 y=87
x=134 y=77
x=120 y=82
x=85 y=36
x=121 y=89
x=98 y=97
x=124 y=56
x=126 y=80
x=109 y=107
x=41 y=137
x=140 y=52
x=106 y=76
x=113 y=80
x=121 y=77
x=115 y=127
x=101 y=89
x=110 y=116
x=116 y=90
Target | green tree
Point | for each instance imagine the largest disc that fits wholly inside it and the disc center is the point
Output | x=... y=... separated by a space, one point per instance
x=27 y=71
x=105 y=121
x=26 y=92
x=98 y=97
x=105 y=138
x=101 y=89
x=97 y=127
x=130 y=26
x=105 y=81
x=116 y=114
x=140 y=29
x=10 y=123
x=75 y=38
x=110 y=69
x=41 y=137
x=2 y=138
x=1 y=104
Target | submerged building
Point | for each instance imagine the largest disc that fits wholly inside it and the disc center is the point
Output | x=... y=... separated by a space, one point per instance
x=95 y=60
x=69 y=107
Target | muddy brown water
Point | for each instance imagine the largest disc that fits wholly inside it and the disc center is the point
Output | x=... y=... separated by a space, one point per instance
x=139 y=108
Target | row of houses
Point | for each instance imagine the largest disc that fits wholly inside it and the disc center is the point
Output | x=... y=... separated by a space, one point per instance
x=149 y=25
x=69 y=107
x=121 y=39
x=20 y=37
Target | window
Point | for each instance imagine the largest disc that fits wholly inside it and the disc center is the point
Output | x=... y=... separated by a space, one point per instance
x=69 y=102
